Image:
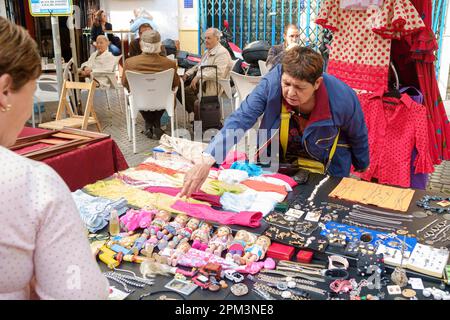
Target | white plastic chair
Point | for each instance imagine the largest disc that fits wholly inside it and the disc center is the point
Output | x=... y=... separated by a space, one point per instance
x=263 y=68
x=150 y=92
x=244 y=86
x=113 y=83
x=227 y=93
x=47 y=90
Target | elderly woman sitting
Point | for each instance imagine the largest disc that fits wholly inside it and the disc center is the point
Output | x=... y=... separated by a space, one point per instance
x=100 y=61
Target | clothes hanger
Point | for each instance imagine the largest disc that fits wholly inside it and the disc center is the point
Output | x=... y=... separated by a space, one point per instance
x=395 y=92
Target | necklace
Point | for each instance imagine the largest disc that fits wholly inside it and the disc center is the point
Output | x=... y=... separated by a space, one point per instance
x=425 y=204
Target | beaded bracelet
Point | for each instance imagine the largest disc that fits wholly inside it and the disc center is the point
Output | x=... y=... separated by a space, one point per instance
x=425 y=204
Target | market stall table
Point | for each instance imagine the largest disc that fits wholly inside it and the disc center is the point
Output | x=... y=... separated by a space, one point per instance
x=84 y=165
x=300 y=194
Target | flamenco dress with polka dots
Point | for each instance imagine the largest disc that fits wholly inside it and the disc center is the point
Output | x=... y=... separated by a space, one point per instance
x=360 y=52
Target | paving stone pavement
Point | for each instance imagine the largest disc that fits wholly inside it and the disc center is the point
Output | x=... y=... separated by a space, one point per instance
x=113 y=122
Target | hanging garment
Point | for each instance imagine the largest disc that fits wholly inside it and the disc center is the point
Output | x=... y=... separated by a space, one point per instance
x=396 y=127
x=246 y=219
x=360 y=53
x=414 y=58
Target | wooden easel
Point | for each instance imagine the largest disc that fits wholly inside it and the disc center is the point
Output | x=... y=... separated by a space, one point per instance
x=74 y=121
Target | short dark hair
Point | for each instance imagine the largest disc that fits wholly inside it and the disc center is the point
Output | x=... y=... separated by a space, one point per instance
x=289 y=26
x=145 y=25
x=303 y=63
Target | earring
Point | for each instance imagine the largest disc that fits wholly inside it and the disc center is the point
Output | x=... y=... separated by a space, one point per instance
x=6 y=109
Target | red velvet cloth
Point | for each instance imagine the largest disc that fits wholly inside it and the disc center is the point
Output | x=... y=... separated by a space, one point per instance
x=87 y=164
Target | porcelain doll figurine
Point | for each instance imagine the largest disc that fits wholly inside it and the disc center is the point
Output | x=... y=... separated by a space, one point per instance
x=182 y=249
x=161 y=219
x=237 y=247
x=256 y=251
x=185 y=233
x=201 y=236
x=172 y=228
x=221 y=239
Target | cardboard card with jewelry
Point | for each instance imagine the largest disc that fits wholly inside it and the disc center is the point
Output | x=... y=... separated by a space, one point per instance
x=356 y=240
x=291 y=238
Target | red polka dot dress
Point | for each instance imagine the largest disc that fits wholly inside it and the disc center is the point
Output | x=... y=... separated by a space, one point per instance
x=360 y=52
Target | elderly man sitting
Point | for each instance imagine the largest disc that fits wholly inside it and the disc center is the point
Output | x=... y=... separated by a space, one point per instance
x=100 y=61
x=150 y=61
x=215 y=55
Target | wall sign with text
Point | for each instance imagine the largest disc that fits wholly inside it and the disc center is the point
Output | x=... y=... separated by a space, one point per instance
x=41 y=8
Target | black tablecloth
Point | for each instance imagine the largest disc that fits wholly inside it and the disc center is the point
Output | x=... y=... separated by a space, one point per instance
x=301 y=193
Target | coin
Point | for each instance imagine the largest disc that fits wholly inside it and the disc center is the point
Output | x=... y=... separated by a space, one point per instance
x=286 y=294
x=408 y=293
x=402 y=232
x=419 y=214
x=239 y=289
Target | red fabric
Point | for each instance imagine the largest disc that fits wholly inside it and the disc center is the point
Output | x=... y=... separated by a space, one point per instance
x=88 y=164
x=201 y=196
x=360 y=76
x=360 y=52
x=27 y=132
x=396 y=127
x=204 y=212
x=34 y=147
x=283 y=177
x=414 y=58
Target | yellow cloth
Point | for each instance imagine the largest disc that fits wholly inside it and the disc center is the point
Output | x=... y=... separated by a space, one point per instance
x=115 y=189
x=218 y=188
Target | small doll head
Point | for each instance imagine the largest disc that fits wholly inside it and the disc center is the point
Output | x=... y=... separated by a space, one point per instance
x=264 y=242
x=205 y=226
x=184 y=247
x=242 y=235
x=163 y=215
x=223 y=231
x=193 y=224
x=251 y=238
x=181 y=219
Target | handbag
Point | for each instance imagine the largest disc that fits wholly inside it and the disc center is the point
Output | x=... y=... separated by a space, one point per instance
x=310 y=165
x=210 y=112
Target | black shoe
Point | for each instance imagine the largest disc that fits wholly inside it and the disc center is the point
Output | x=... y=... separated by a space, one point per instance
x=158 y=133
x=148 y=133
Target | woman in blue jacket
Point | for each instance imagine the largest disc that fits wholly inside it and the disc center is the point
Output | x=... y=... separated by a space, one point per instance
x=323 y=120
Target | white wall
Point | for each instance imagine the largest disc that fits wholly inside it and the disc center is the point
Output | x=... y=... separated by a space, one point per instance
x=443 y=78
x=164 y=12
x=2 y=9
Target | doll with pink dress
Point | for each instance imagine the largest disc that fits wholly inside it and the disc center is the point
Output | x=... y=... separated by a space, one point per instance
x=219 y=242
x=236 y=248
x=201 y=236
x=161 y=220
x=182 y=249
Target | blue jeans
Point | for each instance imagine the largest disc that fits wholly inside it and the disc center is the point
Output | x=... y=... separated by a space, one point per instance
x=114 y=50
